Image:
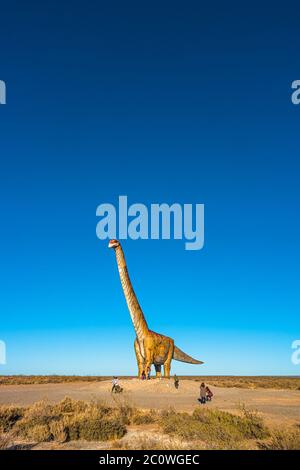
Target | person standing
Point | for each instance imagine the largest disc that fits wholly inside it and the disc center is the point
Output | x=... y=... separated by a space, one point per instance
x=176 y=381
x=202 y=398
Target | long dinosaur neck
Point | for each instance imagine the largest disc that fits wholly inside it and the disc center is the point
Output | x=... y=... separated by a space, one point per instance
x=136 y=313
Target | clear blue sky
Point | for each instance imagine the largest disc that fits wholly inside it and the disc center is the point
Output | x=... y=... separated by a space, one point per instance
x=164 y=102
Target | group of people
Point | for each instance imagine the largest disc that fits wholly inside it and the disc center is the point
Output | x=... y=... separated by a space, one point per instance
x=146 y=377
x=205 y=394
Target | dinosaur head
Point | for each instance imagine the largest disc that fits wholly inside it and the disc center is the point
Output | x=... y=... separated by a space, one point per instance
x=113 y=244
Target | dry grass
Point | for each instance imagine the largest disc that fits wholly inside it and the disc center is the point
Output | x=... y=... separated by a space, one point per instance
x=145 y=417
x=154 y=442
x=5 y=441
x=47 y=379
x=9 y=415
x=218 y=429
x=283 y=440
x=73 y=420
x=287 y=383
x=277 y=383
x=67 y=420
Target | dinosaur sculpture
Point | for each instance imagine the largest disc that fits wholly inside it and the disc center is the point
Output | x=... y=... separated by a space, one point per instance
x=150 y=347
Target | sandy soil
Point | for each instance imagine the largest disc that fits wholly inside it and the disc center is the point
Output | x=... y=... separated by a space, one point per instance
x=276 y=406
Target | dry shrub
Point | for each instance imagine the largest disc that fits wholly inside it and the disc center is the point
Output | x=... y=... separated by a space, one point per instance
x=5 y=441
x=38 y=433
x=94 y=421
x=145 y=417
x=122 y=414
x=58 y=431
x=188 y=428
x=248 y=426
x=102 y=430
x=68 y=405
x=282 y=440
x=9 y=415
x=35 y=424
x=41 y=412
x=158 y=442
x=166 y=412
x=218 y=429
x=74 y=419
x=92 y=428
x=122 y=409
x=252 y=425
x=181 y=424
x=71 y=420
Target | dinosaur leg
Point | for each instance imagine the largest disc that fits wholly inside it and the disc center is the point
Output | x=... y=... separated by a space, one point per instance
x=148 y=360
x=157 y=370
x=148 y=343
x=139 y=358
x=167 y=364
x=167 y=369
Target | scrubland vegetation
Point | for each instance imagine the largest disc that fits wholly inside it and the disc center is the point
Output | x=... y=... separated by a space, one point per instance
x=288 y=383
x=48 y=379
x=73 y=420
x=273 y=382
x=67 y=420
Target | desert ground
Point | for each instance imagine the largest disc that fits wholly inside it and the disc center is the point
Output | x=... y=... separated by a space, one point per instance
x=276 y=406
x=57 y=412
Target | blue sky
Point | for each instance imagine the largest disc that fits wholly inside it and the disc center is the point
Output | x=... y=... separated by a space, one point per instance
x=184 y=103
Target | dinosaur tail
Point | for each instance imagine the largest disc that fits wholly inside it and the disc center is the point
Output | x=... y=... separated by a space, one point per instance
x=179 y=355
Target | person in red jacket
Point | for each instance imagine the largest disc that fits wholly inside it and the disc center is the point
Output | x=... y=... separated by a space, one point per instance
x=209 y=394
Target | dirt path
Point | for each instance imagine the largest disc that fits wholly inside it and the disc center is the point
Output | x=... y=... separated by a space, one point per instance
x=277 y=406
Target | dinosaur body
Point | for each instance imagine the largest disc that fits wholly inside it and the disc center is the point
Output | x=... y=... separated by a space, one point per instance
x=150 y=347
